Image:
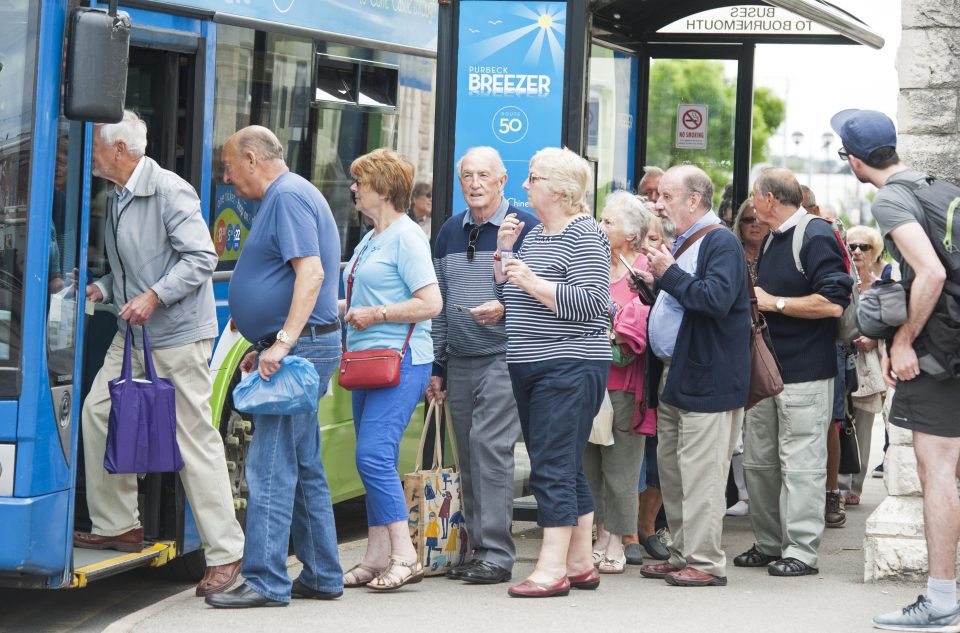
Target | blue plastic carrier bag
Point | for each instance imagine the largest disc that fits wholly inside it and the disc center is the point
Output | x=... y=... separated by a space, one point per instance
x=293 y=390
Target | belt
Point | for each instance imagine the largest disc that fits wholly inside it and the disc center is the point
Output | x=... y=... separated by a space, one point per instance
x=308 y=330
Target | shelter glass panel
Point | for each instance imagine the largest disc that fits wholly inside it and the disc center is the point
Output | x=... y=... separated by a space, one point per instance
x=691 y=116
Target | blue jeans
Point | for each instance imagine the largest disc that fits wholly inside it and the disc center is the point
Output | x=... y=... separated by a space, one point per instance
x=380 y=416
x=557 y=401
x=288 y=486
x=649 y=471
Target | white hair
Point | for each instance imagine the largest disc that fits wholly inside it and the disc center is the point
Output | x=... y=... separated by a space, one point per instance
x=130 y=129
x=636 y=212
x=567 y=174
x=482 y=150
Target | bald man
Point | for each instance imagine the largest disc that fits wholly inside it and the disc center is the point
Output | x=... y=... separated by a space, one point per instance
x=283 y=298
x=785 y=436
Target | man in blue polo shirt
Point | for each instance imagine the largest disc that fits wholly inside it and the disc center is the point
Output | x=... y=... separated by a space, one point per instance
x=470 y=345
x=283 y=297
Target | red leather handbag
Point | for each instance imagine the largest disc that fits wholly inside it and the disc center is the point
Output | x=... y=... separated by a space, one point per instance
x=370 y=368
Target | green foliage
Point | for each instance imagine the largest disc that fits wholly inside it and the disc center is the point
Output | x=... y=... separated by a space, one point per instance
x=696 y=81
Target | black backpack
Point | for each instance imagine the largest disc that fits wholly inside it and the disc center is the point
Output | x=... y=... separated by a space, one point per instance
x=938 y=346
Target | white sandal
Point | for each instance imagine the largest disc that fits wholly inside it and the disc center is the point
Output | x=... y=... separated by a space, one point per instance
x=390 y=578
x=597 y=556
x=612 y=565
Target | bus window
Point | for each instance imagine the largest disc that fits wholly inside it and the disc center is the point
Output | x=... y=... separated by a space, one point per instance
x=268 y=79
x=18 y=32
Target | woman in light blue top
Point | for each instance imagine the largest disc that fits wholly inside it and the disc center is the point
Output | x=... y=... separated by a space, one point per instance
x=394 y=286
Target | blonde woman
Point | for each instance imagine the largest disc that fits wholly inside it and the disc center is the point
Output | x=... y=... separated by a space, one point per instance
x=556 y=293
x=866 y=251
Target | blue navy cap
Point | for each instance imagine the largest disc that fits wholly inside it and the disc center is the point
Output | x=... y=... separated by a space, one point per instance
x=863 y=131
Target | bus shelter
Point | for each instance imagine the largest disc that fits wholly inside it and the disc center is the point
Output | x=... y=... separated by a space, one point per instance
x=520 y=76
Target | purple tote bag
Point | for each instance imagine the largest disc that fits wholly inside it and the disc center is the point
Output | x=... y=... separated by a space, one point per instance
x=142 y=431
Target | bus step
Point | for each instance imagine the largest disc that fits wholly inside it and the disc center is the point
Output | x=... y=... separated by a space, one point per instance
x=93 y=564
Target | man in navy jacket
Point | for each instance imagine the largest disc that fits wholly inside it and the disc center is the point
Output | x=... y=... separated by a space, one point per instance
x=700 y=330
x=785 y=437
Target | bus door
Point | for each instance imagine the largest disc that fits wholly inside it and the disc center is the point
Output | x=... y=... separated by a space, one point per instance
x=165 y=87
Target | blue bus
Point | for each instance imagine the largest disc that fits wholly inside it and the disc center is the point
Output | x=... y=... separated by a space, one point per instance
x=333 y=79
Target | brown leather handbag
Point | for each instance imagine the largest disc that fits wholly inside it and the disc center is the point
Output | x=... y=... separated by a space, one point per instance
x=370 y=368
x=765 y=378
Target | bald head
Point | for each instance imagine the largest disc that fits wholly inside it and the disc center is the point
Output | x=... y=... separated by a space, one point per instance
x=252 y=160
x=686 y=194
x=257 y=139
x=782 y=184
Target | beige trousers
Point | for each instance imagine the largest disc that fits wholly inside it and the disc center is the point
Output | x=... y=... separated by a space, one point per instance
x=693 y=452
x=112 y=499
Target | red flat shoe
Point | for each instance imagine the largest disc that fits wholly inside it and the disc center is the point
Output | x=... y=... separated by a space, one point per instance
x=691 y=577
x=531 y=589
x=589 y=579
x=658 y=571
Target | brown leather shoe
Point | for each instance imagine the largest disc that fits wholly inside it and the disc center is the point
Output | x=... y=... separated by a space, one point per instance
x=690 y=577
x=131 y=541
x=658 y=571
x=219 y=578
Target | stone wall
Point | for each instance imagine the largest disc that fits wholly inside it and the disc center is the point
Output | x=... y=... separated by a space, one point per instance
x=928 y=64
x=928 y=122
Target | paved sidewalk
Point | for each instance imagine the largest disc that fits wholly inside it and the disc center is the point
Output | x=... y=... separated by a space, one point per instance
x=835 y=601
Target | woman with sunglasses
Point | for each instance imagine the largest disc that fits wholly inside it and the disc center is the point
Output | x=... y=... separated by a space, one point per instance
x=751 y=232
x=866 y=251
x=556 y=292
x=392 y=295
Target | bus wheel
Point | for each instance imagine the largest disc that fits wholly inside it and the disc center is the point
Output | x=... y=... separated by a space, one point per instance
x=236 y=429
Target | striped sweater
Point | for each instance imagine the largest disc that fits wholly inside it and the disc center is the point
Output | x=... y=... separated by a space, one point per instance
x=577 y=260
x=468 y=284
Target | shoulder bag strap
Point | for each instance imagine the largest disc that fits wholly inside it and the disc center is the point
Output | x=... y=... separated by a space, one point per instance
x=403 y=351
x=696 y=237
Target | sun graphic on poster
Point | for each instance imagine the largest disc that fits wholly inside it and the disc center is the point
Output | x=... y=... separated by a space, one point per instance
x=545 y=23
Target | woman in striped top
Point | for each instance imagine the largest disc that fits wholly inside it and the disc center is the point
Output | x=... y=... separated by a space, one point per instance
x=556 y=293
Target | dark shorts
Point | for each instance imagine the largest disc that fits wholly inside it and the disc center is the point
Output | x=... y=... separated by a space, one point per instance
x=927 y=405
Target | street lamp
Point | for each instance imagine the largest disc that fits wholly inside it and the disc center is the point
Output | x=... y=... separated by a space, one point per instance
x=797 y=139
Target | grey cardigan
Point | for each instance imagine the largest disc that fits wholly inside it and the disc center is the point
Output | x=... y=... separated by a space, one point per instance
x=159 y=240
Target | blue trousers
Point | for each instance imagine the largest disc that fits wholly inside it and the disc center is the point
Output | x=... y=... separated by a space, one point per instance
x=557 y=401
x=380 y=416
x=288 y=489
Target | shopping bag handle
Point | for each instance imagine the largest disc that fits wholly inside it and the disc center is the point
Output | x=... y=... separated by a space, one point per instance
x=434 y=416
x=437 y=448
x=126 y=370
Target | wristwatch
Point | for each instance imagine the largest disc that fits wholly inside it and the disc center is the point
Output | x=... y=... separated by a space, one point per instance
x=781 y=304
x=284 y=338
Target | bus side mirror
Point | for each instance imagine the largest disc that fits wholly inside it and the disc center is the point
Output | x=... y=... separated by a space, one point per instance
x=96 y=73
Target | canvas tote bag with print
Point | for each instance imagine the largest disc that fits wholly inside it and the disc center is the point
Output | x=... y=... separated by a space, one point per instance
x=434 y=502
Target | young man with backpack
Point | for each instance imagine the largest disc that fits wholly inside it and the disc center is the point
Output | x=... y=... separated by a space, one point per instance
x=927 y=393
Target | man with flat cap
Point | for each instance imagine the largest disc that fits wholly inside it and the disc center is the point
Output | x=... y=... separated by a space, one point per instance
x=921 y=403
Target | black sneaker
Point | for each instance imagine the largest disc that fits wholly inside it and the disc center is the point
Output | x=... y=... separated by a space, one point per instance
x=791 y=567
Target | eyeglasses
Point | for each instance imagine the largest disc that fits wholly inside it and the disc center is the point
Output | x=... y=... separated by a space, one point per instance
x=354 y=187
x=532 y=179
x=749 y=219
x=843 y=154
x=472 y=242
x=864 y=248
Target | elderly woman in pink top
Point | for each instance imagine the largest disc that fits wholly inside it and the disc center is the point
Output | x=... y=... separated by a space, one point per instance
x=612 y=471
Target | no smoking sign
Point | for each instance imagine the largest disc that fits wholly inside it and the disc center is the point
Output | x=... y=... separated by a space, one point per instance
x=691 y=126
